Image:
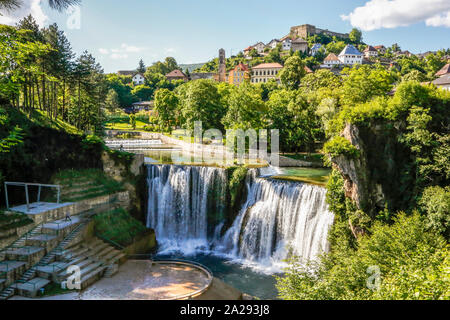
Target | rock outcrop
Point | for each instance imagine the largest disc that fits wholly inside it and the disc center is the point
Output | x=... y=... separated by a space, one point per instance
x=375 y=179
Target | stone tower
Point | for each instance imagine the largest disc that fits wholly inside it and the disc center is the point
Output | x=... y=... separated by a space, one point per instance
x=222 y=66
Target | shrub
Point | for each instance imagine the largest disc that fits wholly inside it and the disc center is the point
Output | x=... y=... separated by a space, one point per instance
x=340 y=146
x=413 y=263
x=435 y=202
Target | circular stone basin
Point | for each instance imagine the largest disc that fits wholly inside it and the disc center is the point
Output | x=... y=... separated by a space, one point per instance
x=151 y=280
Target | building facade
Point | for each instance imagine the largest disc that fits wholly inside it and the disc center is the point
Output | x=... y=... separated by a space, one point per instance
x=350 y=55
x=176 y=75
x=443 y=82
x=264 y=72
x=273 y=44
x=315 y=49
x=299 y=44
x=138 y=79
x=370 y=52
x=239 y=75
x=286 y=44
x=330 y=61
x=307 y=30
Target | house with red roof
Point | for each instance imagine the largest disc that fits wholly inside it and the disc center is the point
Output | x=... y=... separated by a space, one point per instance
x=176 y=75
x=445 y=70
x=370 y=52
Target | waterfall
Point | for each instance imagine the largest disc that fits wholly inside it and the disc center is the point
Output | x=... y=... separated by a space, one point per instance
x=186 y=207
x=178 y=204
x=279 y=219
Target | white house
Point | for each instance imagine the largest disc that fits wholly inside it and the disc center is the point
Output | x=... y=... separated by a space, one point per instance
x=260 y=47
x=138 y=79
x=370 y=52
x=330 y=61
x=287 y=44
x=351 y=55
x=315 y=49
x=273 y=44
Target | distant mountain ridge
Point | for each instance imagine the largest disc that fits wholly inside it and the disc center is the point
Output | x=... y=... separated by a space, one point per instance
x=191 y=67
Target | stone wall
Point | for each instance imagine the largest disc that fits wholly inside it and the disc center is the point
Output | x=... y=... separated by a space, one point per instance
x=146 y=243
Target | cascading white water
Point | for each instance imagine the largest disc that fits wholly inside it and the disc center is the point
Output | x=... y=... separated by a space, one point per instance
x=278 y=218
x=178 y=203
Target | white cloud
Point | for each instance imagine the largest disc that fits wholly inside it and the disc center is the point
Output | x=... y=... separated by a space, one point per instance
x=118 y=56
x=128 y=48
x=378 y=14
x=170 y=50
x=32 y=7
x=121 y=52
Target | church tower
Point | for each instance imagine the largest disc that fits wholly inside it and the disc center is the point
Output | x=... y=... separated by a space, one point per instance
x=222 y=77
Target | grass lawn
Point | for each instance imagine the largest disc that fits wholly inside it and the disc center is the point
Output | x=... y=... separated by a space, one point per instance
x=84 y=184
x=119 y=226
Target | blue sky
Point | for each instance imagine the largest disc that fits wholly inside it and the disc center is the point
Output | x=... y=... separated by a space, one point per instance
x=118 y=33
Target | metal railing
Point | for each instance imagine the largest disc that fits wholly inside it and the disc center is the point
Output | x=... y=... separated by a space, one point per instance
x=26 y=185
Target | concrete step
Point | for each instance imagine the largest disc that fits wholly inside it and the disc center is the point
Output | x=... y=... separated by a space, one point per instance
x=30 y=288
x=110 y=256
x=111 y=270
x=29 y=254
x=7 y=293
x=91 y=277
x=104 y=252
x=120 y=258
x=70 y=255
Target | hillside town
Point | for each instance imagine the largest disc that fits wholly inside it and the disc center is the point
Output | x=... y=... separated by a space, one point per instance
x=321 y=49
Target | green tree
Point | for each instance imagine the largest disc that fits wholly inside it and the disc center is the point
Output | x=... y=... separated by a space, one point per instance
x=245 y=108
x=112 y=101
x=355 y=35
x=200 y=101
x=364 y=82
x=166 y=106
x=132 y=121
x=141 y=67
x=142 y=92
x=292 y=73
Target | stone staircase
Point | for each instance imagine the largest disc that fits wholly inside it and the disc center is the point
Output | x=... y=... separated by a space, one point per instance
x=95 y=259
x=44 y=239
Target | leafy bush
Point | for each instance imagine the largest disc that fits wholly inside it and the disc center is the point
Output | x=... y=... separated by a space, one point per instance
x=435 y=202
x=413 y=264
x=340 y=146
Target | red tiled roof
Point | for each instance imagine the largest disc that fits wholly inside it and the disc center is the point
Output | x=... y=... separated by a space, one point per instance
x=175 y=73
x=241 y=66
x=308 y=70
x=444 y=70
x=370 y=48
x=332 y=57
x=268 y=66
x=379 y=47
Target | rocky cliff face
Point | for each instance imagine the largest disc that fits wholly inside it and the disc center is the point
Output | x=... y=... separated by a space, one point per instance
x=376 y=179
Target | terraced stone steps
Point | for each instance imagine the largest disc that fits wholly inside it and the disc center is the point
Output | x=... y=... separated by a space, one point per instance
x=23 y=285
